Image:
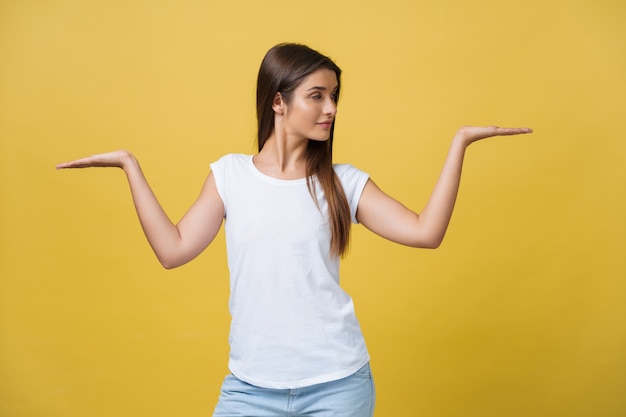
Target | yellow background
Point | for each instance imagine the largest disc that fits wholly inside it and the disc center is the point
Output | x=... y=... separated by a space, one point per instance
x=521 y=312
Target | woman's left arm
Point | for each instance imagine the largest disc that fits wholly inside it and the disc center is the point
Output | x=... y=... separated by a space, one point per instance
x=390 y=219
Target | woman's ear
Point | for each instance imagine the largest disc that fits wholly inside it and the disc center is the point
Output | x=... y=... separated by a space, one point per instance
x=278 y=104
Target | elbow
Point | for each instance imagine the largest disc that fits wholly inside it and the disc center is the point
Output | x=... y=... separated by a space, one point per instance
x=434 y=239
x=427 y=242
x=166 y=265
x=434 y=244
x=174 y=257
x=169 y=262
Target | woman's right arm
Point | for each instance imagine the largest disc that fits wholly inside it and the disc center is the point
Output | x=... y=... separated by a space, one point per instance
x=173 y=244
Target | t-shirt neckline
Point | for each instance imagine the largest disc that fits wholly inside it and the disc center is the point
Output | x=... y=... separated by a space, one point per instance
x=269 y=178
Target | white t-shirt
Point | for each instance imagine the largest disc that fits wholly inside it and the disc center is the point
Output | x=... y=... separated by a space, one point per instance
x=292 y=324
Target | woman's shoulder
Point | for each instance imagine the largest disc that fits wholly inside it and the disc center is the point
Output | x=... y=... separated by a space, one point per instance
x=347 y=170
x=231 y=159
x=234 y=157
x=230 y=164
x=350 y=175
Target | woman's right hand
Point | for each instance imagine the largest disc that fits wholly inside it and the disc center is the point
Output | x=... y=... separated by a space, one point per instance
x=173 y=244
x=117 y=159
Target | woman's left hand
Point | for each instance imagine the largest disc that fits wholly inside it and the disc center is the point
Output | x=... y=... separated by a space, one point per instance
x=390 y=219
x=470 y=134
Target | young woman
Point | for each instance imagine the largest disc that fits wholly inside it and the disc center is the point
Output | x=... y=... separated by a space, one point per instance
x=296 y=345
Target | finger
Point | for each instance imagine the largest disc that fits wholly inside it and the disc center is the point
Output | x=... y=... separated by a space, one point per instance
x=90 y=161
x=64 y=165
x=80 y=163
x=513 y=130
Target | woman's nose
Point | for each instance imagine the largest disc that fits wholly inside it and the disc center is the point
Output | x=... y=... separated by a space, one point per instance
x=330 y=107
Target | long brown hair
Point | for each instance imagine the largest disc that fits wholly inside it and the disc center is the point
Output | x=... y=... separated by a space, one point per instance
x=283 y=69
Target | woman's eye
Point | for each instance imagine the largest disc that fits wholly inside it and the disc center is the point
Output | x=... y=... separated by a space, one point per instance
x=316 y=96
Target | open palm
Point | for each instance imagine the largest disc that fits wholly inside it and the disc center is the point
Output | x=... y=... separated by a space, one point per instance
x=115 y=159
x=469 y=134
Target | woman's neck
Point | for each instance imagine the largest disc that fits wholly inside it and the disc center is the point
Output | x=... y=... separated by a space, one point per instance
x=282 y=157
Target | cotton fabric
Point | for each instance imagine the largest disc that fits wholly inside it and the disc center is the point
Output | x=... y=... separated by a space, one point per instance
x=292 y=324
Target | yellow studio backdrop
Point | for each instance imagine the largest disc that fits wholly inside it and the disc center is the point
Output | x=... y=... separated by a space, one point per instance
x=522 y=310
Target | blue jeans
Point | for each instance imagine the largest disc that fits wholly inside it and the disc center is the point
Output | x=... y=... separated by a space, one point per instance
x=353 y=396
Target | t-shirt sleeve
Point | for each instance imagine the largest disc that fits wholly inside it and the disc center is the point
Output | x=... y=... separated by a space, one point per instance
x=219 y=168
x=353 y=181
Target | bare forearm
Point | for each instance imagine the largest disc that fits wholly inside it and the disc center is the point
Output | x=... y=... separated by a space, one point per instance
x=390 y=219
x=162 y=234
x=435 y=217
x=173 y=245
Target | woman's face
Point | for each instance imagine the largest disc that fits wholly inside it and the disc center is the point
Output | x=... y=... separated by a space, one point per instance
x=313 y=106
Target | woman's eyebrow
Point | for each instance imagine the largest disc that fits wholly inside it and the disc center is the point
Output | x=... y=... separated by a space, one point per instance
x=320 y=88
